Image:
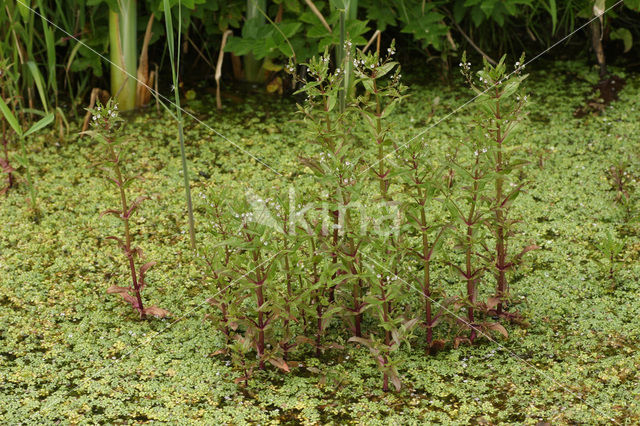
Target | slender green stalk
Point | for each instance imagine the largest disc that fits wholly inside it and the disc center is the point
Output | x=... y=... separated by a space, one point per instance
x=174 y=75
x=123 y=53
x=344 y=52
x=252 y=66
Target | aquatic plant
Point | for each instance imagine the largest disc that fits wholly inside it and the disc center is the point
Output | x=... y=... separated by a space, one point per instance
x=469 y=214
x=623 y=183
x=335 y=168
x=255 y=307
x=107 y=127
x=500 y=111
x=610 y=249
x=423 y=182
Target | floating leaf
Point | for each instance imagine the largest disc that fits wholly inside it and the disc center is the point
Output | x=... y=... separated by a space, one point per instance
x=116 y=289
x=499 y=328
x=280 y=363
x=155 y=311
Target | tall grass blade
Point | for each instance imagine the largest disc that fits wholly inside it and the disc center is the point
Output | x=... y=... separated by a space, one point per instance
x=52 y=81
x=174 y=74
x=37 y=78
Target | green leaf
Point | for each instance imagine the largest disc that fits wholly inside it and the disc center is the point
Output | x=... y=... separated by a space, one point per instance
x=553 y=11
x=625 y=35
x=8 y=115
x=40 y=124
x=37 y=77
x=20 y=160
x=384 y=69
x=633 y=4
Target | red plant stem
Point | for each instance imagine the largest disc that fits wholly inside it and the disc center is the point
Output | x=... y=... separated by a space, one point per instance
x=334 y=252
x=260 y=278
x=500 y=237
x=318 y=302
x=357 y=285
x=386 y=310
x=128 y=252
x=426 y=283
x=319 y=319
x=357 y=320
x=471 y=281
x=287 y=268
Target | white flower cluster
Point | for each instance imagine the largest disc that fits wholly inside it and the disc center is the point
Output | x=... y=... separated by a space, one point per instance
x=101 y=114
x=347 y=45
x=464 y=66
x=325 y=156
x=391 y=51
x=348 y=181
x=248 y=216
x=387 y=278
x=483 y=150
x=358 y=63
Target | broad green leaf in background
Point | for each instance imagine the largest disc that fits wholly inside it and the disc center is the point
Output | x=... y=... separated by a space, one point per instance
x=633 y=4
x=625 y=35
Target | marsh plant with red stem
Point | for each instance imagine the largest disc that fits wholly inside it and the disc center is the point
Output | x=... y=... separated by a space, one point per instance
x=107 y=129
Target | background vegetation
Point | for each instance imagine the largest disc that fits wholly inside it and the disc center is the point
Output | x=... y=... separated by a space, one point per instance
x=58 y=48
